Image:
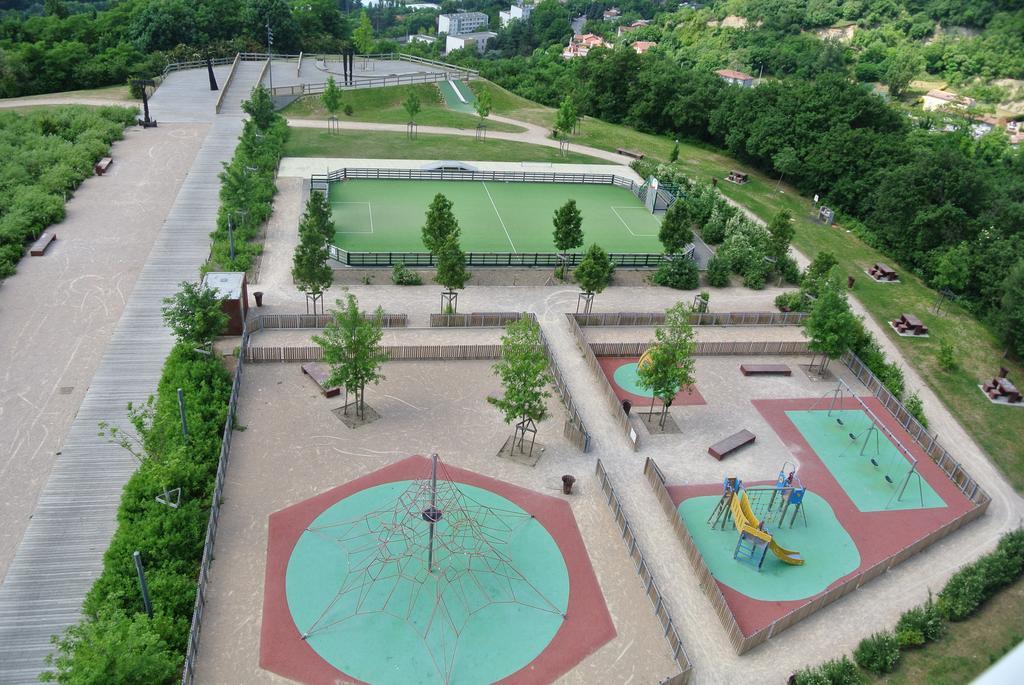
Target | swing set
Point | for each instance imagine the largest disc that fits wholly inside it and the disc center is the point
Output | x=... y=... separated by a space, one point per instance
x=868 y=438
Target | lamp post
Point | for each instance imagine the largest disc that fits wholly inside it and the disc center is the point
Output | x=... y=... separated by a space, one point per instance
x=270 y=56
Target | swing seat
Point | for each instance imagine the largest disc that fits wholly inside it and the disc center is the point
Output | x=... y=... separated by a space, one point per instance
x=874 y=463
x=888 y=479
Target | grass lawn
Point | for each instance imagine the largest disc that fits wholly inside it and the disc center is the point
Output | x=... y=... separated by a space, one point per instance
x=384 y=105
x=107 y=93
x=312 y=142
x=969 y=647
x=997 y=429
x=387 y=216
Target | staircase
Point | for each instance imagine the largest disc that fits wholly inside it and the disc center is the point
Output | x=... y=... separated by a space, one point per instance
x=247 y=75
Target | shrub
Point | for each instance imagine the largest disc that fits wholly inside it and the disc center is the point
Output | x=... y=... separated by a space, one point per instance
x=789 y=269
x=348 y=110
x=403 y=275
x=718 y=272
x=755 y=275
x=840 y=671
x=969 y=587
x=681 y=273
x=915 y=406
x=919 y=625
x=879 y=653
x=947 y=356
x=789 y=302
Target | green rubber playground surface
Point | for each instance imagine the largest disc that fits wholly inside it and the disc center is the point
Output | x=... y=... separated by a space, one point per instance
x=864 y=482
x=629 y=380
x=388 y=216
x=449 y=626
x=828 y=550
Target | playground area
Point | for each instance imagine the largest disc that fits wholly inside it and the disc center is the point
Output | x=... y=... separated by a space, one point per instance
x=622 y=374
x=855 y=496
x=306 y=491
x=388 y=215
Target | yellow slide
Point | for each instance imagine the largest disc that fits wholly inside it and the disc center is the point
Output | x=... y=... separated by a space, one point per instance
x=746 y=522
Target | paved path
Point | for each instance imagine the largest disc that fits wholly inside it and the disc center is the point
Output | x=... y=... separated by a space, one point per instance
x=62 y=550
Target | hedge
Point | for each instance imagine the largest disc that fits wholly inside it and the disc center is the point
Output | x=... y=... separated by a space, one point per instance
x=46 y=154
x=115 y=636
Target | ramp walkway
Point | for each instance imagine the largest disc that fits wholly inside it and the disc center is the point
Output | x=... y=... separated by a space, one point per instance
x=458 y=96
x=62 y=551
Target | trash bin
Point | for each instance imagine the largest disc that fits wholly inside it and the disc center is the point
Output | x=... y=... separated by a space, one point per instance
x=259 y=298
x=626 y=406
x=567 y=482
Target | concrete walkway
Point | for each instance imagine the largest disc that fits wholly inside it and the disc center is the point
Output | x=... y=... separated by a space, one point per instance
x=62 y=550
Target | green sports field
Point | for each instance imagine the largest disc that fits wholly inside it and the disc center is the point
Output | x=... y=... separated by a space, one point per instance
x=388 y=216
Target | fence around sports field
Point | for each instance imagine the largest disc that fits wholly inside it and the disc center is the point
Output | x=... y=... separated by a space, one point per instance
x=647 y=578
x=321 y=183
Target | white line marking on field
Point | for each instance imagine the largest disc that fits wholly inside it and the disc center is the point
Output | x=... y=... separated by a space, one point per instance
x=635 y=235
x=369 y=210
x=499 y=216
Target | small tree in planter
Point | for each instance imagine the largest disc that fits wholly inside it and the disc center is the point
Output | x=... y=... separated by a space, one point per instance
x=669 y=363
x=351 y=345
x=523 y=371
x=830 y=325
x=483 y=110
x=310 y=270
x=593 y=275
x=451 y=273
x=331 y=99
x=568 y=222
x=412 y=108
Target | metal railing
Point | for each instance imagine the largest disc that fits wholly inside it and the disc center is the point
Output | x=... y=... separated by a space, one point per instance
x=696 y=319
x=188 y=670
x=227 y=83
x=647 y=578
x=648 y=260
x=927 y=440
x=321 y=182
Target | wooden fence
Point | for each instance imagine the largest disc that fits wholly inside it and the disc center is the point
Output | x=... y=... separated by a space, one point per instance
x=696 y=319
x=927 y=440
x=475 y=319
x=264 y=322
x=574 y=429
x=647 y=578
x=614 y=405
x=315 y=353
x=707 y=349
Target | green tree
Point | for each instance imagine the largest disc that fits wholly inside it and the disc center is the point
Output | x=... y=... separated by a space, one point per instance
x=903 y=64
x=568 y=222
x=260 y=108
x=351 y=346
x=1012 y=312
x=676 y=230
x=363 y=35
x=451 y=268
x=331 y=96
x=318 y=216
x=412 y=106
x=830 y=325
x=669 y=363
x=310 y=270
x=594 y=272
x=194 y=314
x=441 y=223
x=953 y=268
x=782 y=232
x=550 y=22
x=565 y=119
x=674 y=155
x=483 y=105
x=785 y=162
x=718 y=272
x=523 y=371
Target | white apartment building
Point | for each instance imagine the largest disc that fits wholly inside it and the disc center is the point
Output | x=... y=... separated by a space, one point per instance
x=461 y=23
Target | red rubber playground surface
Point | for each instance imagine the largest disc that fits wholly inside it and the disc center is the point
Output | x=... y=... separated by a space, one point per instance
x=586 y=627
x=612 y=364
x=878 y=535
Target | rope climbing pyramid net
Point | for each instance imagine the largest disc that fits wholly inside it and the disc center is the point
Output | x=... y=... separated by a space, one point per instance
x=433 y=558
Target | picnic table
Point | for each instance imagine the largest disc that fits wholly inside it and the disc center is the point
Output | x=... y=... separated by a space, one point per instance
x=881 y=272
x=1002 y=388
x=765 y=370
x=739 y=177
x=909 y=324
x=731 y=444
x=630 y=153
x=320 y=373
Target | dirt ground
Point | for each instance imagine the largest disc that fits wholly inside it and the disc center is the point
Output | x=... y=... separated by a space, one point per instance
x=293 y=447
x=60 y=310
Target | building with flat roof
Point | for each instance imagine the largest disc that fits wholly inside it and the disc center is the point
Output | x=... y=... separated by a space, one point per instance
x=521 y=12
x=461 y=23
x=477 y=40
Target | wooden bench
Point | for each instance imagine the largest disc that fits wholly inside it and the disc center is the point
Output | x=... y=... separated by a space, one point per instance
x=320 y=373
x=881 y=272
x=38 y=248
x=731 y=444
x=765 y=370
x=630 y=153
x=102 y=166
